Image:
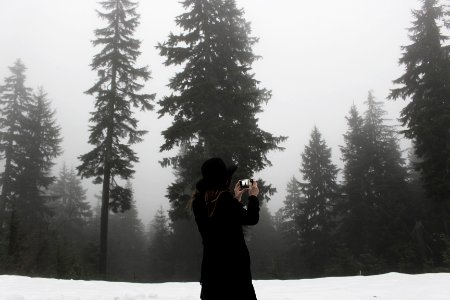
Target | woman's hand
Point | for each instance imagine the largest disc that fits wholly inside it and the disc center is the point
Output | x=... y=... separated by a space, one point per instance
x=253 y=190
x=238 y=191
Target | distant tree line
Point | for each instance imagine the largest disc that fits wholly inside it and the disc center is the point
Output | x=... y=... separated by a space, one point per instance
x=381 y=212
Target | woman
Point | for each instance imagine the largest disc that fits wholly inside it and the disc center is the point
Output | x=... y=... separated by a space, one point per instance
x=219 y=214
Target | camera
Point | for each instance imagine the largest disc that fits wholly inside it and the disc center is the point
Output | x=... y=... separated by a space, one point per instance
x=245 y=183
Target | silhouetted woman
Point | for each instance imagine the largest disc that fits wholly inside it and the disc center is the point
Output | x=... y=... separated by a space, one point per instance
x=219 y=214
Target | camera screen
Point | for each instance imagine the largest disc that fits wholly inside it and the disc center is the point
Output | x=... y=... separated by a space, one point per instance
x=245 y=183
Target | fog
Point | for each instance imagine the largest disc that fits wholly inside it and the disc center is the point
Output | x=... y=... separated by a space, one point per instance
x=318 y=58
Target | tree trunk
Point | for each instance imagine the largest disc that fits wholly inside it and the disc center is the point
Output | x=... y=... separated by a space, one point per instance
x=106 y=188
x=104 y=219
x=5 y=189
x=107 y=180
x=107 y=164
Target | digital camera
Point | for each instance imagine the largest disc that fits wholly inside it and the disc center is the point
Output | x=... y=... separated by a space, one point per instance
x=245 y=183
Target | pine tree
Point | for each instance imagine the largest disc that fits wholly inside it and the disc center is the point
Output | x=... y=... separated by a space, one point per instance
x=427 y=114
x=72 y=209
x=43 y=138
x=14 y=102
x=216 y=97
x=214 y=102
x=315 y=212
x=376 y=218
x=30 y=141
x=42 y=146
x=291 y=212
x=353 y=210
x=387 y=192
x=71 y=215
x=288 y=227
x=160 y=265
x=69 y=222
x=114 y=127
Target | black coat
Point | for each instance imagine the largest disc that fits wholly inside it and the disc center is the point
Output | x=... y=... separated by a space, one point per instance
x=225 y=272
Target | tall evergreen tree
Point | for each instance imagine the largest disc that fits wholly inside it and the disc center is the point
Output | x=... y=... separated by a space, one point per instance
x=290 y=213
x=30 y=141
x=14 y=102
x=427 y=114
x=114 y=127
x=70 y=223
x=42 y=146
x=354 y=228
x=315 y=212
x=43 y=138
x=215 y=100
x=375 y=213
x=216 y=97
x=72 y=209
x=288 y=227
x=70 y=220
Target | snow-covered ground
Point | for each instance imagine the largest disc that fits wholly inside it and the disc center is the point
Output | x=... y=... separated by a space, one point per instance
x=392 y=286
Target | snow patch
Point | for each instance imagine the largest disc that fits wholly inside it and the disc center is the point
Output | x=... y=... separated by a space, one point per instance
x=391 y=286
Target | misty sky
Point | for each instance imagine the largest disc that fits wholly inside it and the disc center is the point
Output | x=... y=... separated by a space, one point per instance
x=318 y=58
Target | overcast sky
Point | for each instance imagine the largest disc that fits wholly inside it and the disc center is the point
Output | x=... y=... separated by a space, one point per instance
x=318 y=58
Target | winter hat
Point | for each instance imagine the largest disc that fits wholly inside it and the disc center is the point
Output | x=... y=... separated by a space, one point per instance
x=215 y=174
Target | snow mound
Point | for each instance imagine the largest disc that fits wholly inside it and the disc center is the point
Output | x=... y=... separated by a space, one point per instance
x=391 y=286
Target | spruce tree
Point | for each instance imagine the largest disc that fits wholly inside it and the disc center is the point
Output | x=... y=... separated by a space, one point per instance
x=290 y=212
x=71 y=215
x=426 y=116
x=214 y=102
x=14 y=103
x=354 y=230
x=72 y=211
x=114 y=128
x=320 y=190
x=42 y=146
x=387 y=192
x=289 y=228
x=30 y=141
x=43 y=139
x=216 y=97
x=376 y=210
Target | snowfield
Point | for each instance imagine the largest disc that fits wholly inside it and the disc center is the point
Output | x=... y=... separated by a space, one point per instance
x=392 y=286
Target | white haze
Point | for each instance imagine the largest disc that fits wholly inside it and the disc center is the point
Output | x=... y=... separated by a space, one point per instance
x=318 y=58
